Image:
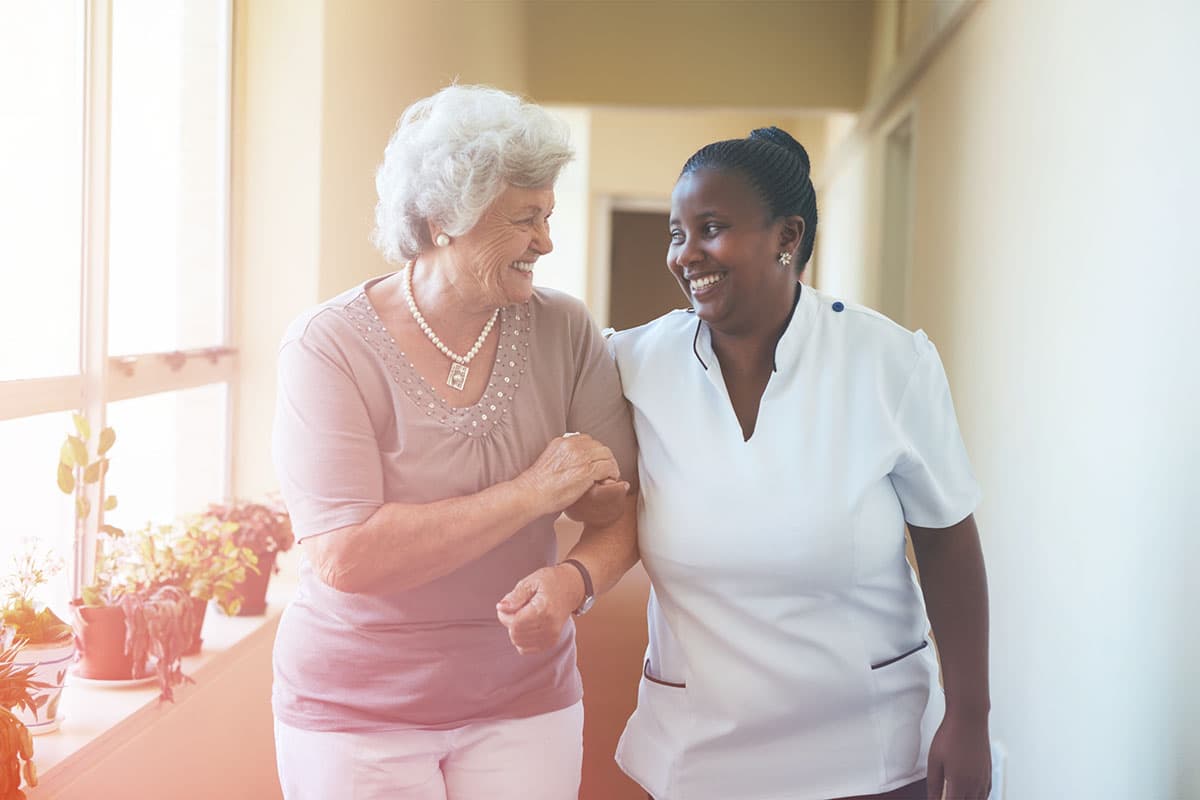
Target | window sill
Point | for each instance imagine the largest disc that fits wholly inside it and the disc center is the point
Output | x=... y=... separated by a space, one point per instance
x=98 y=721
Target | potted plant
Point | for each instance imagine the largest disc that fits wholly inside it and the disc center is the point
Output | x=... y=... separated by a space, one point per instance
x=197 y=555
x=17 y=687
x=266 y=530
x=127 y=625
x=49 y=646
x=154 y=621
x=99 y=625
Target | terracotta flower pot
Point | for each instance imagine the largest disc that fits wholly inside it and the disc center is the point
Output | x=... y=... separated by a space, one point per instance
x=254 y=588
x=50 y=662
x=100 y=639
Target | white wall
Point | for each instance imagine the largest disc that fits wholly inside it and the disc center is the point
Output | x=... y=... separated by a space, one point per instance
x=1056 y=268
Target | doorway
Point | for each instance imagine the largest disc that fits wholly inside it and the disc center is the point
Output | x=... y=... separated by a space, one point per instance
x=640 y=287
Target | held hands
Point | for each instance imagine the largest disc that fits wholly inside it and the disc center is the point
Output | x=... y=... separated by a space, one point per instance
x=538 y=607
x=600 y=505
x=960 y=756
x=568 y=468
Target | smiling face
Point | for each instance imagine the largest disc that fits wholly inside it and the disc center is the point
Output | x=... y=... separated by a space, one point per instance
x=724 y=252
x=501 y=249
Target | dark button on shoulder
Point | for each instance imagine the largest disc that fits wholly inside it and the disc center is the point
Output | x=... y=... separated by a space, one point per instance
x=839 y=305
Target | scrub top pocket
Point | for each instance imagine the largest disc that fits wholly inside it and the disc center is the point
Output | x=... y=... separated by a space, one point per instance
x=902 y=703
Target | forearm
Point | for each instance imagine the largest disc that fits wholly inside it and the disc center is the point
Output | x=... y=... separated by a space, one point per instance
x=608 y=551
x=954 y=583
x=411 y=545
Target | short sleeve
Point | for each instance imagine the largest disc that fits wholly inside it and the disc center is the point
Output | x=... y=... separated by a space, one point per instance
x=598 y=406
x=323 y=444
x=933 y=476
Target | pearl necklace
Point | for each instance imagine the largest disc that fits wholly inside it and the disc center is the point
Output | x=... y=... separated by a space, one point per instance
x=457 y=378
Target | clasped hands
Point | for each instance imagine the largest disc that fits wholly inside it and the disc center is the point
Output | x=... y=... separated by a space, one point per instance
x=583 y=475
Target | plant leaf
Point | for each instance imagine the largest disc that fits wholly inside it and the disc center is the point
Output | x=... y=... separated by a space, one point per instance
x=67 y=455
x=82 y=507
x=92 y=473
x=66 y=480
x=81 y=425
x=110 y=502
x=78 y=449
x=107 y=437
x=112 y=530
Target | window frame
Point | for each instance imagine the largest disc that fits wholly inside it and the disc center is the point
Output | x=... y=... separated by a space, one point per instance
x=101 y=378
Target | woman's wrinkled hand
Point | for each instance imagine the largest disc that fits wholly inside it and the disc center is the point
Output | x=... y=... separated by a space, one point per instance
x=566 y=469
x=538 y=607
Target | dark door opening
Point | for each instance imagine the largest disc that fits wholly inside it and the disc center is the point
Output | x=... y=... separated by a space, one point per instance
x=640 y=287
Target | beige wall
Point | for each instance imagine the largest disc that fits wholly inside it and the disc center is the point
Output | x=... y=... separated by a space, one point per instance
x=639 y=152
x=753 y=53
x=276 y=207
x=1054 y=158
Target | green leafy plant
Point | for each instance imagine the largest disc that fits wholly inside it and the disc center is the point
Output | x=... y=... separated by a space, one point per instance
x=33 y=566
x=132 y=573
x=118 y=571
x=16 y=745
x=195 y=554
x=158 y=617
x=80 y=466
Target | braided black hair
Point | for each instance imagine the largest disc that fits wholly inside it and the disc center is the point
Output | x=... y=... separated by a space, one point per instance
x=778 y=168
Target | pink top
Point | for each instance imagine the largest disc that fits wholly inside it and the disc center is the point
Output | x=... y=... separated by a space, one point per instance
x=355 y=427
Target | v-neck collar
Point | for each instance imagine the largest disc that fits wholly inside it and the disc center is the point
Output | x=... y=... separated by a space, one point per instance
x=804 y=314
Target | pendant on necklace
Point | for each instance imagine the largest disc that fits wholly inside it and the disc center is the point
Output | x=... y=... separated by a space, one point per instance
x=457 y=378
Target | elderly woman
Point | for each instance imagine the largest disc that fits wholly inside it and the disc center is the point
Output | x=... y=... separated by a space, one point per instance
x=431 y=425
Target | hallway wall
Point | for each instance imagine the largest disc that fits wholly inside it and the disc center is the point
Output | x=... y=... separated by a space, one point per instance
x=663 y=53
x=1056 y=175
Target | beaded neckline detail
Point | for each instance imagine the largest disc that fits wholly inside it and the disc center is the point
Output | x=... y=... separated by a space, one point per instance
x=509 y=369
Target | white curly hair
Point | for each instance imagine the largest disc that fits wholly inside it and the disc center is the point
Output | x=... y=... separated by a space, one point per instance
x=451 y=156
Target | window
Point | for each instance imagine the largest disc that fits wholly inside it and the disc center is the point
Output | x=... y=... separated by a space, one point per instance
x=114 y=269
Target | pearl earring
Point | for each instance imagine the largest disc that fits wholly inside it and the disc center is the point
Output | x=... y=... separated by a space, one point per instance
x=441 y=240
x=785 y=259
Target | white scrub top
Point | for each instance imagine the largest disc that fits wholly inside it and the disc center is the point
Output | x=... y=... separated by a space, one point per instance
x=788 y=655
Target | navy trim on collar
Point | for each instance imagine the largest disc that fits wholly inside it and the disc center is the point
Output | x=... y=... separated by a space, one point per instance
x=787 y=323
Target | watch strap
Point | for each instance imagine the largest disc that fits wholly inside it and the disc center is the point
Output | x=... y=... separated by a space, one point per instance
x=589 y=593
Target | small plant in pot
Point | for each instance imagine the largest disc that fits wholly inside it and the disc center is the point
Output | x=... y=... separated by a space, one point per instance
x=128 y=626
x=197 y=555
x=265 y=529
x=17 y=690
x=49 y=646
x=146 y=625
x=99 y=626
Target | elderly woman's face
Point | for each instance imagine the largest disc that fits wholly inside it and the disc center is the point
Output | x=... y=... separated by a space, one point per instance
x=507 y=241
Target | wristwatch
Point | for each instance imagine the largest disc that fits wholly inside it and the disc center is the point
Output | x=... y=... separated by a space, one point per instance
x=589 y=594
